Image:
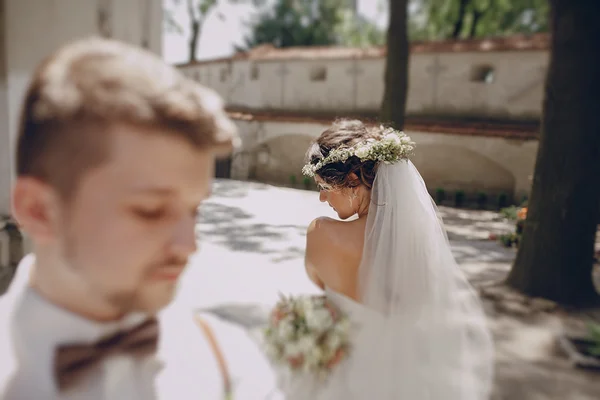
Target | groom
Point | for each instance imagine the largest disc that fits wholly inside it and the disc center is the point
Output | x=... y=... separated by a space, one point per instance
x=115 y=153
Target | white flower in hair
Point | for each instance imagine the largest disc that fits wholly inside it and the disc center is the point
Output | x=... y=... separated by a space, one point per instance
x=391 y=148
x=392 y=138
x=362 y=152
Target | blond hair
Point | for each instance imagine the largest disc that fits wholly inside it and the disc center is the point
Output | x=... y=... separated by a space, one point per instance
x=87 y=86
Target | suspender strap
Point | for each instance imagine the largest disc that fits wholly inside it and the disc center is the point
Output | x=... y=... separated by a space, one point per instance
x=216 y=349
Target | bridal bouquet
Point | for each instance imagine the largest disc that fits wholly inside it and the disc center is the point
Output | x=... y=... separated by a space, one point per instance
x=307 y=334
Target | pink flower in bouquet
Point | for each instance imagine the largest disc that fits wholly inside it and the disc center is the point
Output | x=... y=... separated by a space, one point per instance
x=339 y=356
x=332 y=311
x=277 y=315
x=296 y=361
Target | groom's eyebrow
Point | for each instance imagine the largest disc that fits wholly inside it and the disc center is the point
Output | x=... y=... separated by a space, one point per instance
x=163 y=192
x=156 y=191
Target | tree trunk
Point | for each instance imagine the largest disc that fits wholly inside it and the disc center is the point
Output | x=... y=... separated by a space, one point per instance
x=194 y=35
x=555 y=257
x=460 y=20
x=476 y=18
x=396 y=66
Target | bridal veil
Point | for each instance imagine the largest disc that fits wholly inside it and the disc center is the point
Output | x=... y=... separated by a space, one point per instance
x=433 y=329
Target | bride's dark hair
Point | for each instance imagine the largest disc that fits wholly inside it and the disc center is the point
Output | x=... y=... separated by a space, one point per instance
x=344 y=133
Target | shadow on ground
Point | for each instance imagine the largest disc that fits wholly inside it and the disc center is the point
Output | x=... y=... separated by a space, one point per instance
x=239 y=231
x=235 y=189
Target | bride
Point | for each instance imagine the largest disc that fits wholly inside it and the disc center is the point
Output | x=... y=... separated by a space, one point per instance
x=419 y=330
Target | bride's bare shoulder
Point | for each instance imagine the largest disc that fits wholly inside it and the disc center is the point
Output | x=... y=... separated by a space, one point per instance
x=323 y=227
x=324 y=232
x=321 y=223
x=322 y=247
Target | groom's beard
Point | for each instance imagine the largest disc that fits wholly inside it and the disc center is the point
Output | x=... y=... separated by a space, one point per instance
x=147 y=295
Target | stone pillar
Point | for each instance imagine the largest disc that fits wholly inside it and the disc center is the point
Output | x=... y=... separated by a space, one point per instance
x=32 y=29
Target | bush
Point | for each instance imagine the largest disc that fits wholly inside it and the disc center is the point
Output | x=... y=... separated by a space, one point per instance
x=459 y=198
x=481 y=200
x=510 y=239
x=440 y=195
x=524 y=201
x=507 y=240
x=510 y=213
x=519 y=226
x=518 y=214
x=595 y=338
x=293 y=180
x=307 y=182
x=502 y=201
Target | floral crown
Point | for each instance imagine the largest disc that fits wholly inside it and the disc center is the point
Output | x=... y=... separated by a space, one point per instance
x=392 y=147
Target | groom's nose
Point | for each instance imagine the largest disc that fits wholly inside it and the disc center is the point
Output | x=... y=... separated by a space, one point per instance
x=183 y=238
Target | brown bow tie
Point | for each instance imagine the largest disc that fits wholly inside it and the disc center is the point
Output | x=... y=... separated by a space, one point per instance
x=72 y=362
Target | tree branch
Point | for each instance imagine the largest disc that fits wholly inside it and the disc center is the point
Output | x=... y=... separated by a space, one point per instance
x=192 y=14
x=460 y=20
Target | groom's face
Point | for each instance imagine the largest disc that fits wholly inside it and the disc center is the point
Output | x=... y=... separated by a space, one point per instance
x=130 y=227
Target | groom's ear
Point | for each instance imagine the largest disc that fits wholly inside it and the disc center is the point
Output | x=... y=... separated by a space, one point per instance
x=34 y=206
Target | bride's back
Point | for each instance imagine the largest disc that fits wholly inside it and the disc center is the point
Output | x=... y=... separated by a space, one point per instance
x=333 y=254
x=334 y=248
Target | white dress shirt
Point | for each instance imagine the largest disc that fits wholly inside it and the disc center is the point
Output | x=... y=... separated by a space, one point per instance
x=184 y=367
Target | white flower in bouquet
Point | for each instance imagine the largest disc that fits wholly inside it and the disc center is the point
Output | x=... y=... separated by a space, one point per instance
x=342 y=327
x=306 y=343
x=334 y=341
x=285 y=329
x=292 y=349
x=314 y=356
x=319 y=320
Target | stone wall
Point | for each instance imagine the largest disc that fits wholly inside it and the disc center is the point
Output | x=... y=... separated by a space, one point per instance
x=482 y=79
x=273 y=151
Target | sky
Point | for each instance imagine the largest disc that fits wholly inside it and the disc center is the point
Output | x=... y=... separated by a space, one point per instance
x=225 y=26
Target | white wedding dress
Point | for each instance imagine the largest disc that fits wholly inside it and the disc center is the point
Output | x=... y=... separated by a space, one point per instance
x=419 y=332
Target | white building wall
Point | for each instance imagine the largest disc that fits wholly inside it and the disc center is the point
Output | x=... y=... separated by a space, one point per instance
x=439 y=83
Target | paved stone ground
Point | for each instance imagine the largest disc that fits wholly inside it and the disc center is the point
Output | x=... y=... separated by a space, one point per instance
x=253 y=238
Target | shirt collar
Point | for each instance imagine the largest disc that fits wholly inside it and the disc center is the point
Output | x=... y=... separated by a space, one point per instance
x=37 y=319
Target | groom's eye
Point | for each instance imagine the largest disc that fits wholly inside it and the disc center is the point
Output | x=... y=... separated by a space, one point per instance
x=149 y=214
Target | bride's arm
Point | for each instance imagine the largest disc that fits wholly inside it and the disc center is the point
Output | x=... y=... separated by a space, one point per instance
x=314 y=276
x=315 y=251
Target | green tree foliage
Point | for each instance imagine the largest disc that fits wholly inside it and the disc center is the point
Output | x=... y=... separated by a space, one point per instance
x=311 y=23
x=455 y=19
